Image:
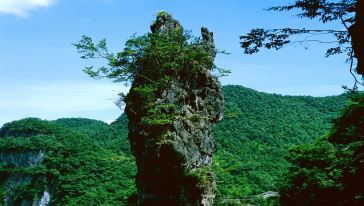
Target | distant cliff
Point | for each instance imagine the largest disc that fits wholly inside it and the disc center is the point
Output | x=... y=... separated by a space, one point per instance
x=13 y=183
x=44 y=163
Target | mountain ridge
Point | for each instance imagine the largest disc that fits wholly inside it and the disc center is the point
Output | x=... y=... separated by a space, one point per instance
x=252 y=140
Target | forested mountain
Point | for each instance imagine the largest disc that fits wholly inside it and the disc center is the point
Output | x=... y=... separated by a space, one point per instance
x=329 y=171
x=42 y=158
x=257 y=129
x=88 y=162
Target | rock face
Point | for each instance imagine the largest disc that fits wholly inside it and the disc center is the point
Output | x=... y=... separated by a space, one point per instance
x=356 y=32
x=174 y=161
x=13 y=182
x=22 y=158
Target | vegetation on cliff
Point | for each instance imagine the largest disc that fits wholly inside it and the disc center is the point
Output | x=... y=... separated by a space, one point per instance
x=172 y=107
x=76 y=168
x=252 y=141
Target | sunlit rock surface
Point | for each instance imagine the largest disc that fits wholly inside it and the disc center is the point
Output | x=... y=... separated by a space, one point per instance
x=174 y=163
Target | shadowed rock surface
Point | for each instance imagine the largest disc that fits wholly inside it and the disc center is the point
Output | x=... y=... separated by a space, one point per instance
x=356 y=33
x=174 y=161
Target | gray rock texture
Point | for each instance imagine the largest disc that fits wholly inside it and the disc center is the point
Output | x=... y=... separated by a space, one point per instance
x=22 y=158
x=25 y=159
x=174 y=162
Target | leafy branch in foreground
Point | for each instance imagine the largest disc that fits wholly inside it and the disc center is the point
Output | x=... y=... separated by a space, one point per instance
x=340 y=41
x=121 y=67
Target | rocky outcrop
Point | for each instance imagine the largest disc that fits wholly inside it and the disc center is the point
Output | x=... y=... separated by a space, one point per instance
x=22 y=158
x=44 y=200
x=174 y=159
x=13 y=182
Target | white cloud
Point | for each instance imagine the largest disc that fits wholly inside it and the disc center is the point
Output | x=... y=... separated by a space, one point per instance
x=23 y=7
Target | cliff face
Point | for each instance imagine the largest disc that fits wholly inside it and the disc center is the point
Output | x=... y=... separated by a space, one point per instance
x=22 y=158
x=174 y=158
x=13 y=182
x=356 y=31
x=63 y=162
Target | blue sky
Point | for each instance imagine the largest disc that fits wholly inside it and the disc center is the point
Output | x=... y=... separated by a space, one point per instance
x=41 y=72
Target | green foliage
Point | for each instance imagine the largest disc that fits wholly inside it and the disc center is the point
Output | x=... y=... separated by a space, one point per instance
x=256 y=132
x=345 y=41
x=312 y=174
x=160 y=115
x=162 y=13
x=330 y=171
x=90 y=163
x=146 y=92
x=325 y=11
x=203 y=175
x=27 y=191
x=266 y=202
x=78 y=165
x=29 y=127
x=2 y=193
x=152 y=56
x=152 y=62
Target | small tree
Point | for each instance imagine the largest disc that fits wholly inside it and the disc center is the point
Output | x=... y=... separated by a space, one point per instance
x=155 y=57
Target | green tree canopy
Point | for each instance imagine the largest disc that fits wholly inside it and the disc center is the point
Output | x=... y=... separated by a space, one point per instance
x=330 y=171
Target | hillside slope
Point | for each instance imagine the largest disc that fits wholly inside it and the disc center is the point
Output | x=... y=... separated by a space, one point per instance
x=252 y=140
x=256 y=132
x=42 y=161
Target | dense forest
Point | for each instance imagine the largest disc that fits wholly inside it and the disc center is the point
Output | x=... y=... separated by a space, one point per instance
x=78 y=168
x=329 y=171
x=88 y=162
